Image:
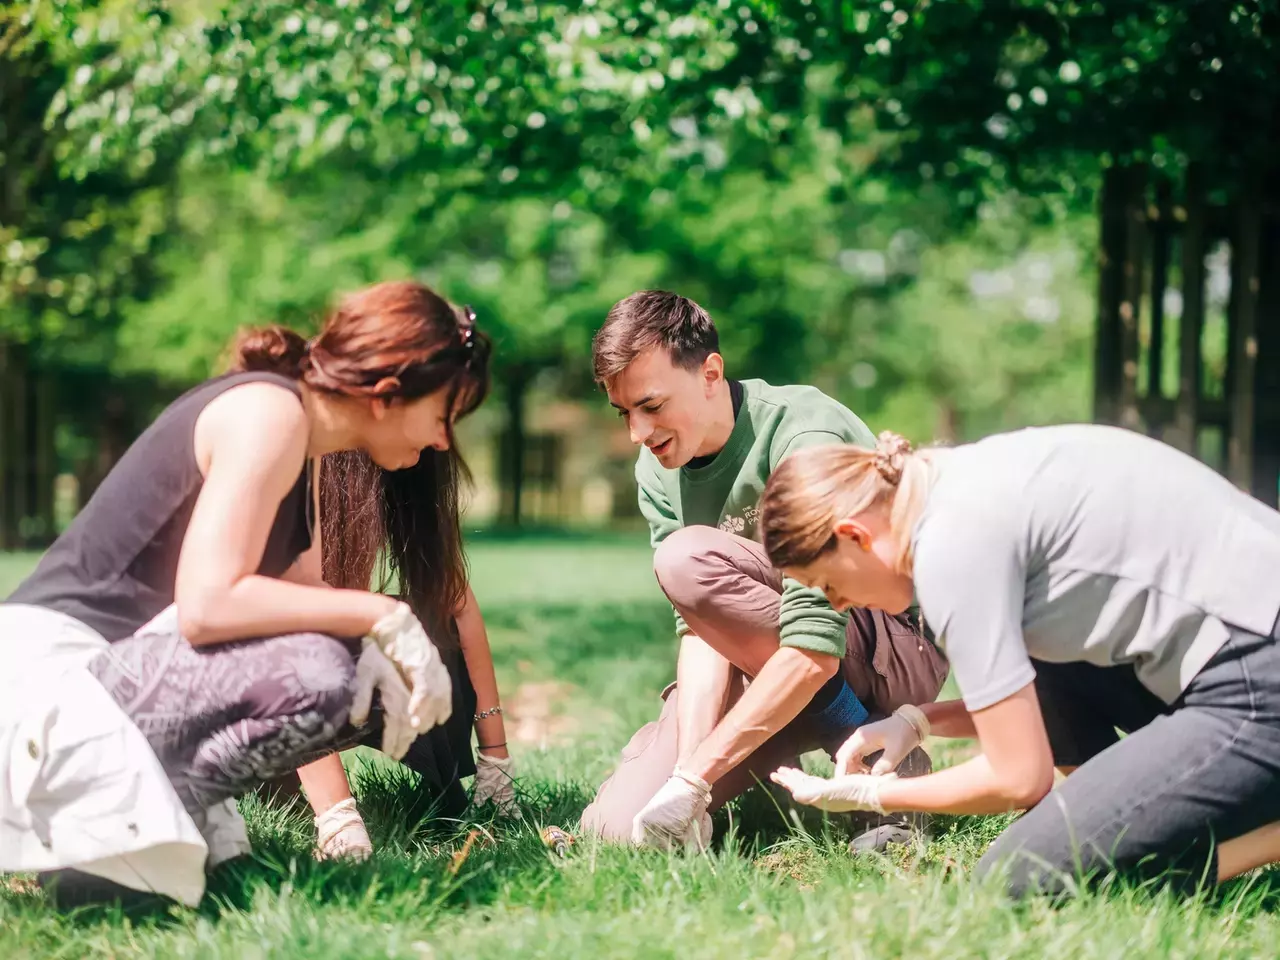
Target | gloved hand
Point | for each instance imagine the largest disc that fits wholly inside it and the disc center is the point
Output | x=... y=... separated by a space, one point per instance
x=400 y=636
x=375 y=671
x=675 y=815
x=857 y=791
x=896 y=735
x=340 y=833
x=495 y=783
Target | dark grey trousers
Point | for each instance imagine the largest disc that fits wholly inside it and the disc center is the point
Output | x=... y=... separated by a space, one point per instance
x=1155 y=803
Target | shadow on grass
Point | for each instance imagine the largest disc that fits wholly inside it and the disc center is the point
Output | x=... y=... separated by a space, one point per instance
x=425 y=865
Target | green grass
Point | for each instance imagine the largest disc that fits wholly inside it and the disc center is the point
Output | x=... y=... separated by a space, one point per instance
x=585 y=614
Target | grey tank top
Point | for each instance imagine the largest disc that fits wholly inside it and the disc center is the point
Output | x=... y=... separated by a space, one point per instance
x=116 y=565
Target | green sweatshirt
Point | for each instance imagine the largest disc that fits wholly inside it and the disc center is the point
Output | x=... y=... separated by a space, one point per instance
x=773 y=422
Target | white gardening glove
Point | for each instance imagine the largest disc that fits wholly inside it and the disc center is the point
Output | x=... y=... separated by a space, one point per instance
x=400 y=636
x=674 y=817
x=896 y=735
x=857 y=791
x=375 y=672
x=495 y=783
x=340 y=833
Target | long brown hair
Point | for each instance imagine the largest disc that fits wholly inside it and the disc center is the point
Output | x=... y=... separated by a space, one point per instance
x=814 y=488
x=393 y=531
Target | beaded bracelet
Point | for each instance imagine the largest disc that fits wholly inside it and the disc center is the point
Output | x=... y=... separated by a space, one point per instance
x=487 y=713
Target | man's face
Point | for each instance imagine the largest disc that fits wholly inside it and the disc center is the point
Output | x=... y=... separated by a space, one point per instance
x=668 y=409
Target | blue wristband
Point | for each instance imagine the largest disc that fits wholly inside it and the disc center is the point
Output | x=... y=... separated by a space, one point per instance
x=844 y=712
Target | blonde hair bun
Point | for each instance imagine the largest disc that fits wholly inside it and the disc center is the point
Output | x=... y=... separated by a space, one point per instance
x=891 y=455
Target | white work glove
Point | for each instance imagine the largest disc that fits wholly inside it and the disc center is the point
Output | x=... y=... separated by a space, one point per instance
x=896 y=735
x=375 y=672
x=400 y=636
x=676 y=816
x=857 y=791
x=340 y=833
x=495 y=783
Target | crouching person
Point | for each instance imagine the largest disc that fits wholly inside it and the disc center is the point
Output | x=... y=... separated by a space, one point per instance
x=176 y=646
x=767 y=669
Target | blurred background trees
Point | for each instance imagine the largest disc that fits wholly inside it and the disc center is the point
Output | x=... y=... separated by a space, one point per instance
x=898 y=202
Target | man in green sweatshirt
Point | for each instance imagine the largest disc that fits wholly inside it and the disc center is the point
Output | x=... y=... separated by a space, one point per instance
x=767 y=669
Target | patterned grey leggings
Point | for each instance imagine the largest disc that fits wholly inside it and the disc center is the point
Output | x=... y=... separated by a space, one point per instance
x=224 y=718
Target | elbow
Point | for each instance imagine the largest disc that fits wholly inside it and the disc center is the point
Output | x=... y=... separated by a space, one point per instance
x=1024 y=792
x=818 y=668
x=197 y=623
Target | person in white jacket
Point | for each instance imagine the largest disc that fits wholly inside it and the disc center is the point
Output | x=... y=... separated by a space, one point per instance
x=177 y=645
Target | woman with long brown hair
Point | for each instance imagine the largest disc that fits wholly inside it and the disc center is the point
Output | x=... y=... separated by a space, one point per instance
x=178 y=645
x=1082 y=580
x=376 y=523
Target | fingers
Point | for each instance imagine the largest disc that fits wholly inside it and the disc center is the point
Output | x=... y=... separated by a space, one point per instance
x=391 y=736
x=362 y=701
x=886 y=764
x=417 y=706
x=849 y=758
x=798 y=783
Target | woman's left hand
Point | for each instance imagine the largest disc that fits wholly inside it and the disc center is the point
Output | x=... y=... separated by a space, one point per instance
x=857 y=791
x=495 y=783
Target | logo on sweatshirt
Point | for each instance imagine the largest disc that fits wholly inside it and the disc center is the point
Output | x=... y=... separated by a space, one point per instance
x=742 y=526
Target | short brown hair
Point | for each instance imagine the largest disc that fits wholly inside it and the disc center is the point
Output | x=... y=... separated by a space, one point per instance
x=653 y=318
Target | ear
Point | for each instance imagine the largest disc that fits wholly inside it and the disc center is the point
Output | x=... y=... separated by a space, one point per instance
x=379 y=407
x=712 y=372
x=851 y=528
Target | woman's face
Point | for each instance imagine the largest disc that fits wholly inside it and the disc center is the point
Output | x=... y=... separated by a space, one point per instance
x=399 y=430
x=859 y=570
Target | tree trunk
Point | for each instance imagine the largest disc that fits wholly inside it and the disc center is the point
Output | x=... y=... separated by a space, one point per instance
x=7 y=363
x=517 y=389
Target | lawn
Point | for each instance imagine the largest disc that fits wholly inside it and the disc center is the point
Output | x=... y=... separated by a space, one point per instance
x=583 y=645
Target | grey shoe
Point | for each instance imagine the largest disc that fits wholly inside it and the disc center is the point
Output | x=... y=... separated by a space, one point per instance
x=877 y=832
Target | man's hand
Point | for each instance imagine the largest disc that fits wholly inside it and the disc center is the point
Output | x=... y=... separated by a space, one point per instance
x=857 y=791
x=676 y=816
x=896 y=735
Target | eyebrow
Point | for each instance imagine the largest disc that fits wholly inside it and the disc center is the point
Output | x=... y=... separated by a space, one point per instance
x=639 y=403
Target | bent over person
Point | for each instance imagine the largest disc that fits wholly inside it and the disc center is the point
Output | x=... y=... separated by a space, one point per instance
x=767 y=669
x=1086 y=582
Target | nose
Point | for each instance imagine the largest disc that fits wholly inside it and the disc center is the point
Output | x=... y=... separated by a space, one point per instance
x=641 y=428
x=441 y=440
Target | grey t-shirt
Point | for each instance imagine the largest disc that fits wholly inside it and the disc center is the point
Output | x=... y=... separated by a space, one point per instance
x=1088 y=543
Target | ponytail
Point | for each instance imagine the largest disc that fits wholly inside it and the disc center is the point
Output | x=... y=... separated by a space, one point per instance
x=814 y=488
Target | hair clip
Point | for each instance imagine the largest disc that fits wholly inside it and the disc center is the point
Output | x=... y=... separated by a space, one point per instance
x=467 y=326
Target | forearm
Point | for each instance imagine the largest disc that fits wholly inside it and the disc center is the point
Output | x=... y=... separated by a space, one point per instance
x=785 y=684
x=491 y=732
x=702 y=684
x=972 y=787
x=949 y=718
x=257 y=606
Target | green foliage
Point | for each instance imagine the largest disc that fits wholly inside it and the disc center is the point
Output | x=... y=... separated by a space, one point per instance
x=69 y=251
x=995 y=94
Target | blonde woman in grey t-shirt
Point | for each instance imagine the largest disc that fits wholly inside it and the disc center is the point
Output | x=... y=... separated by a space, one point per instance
x=1080 y=579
